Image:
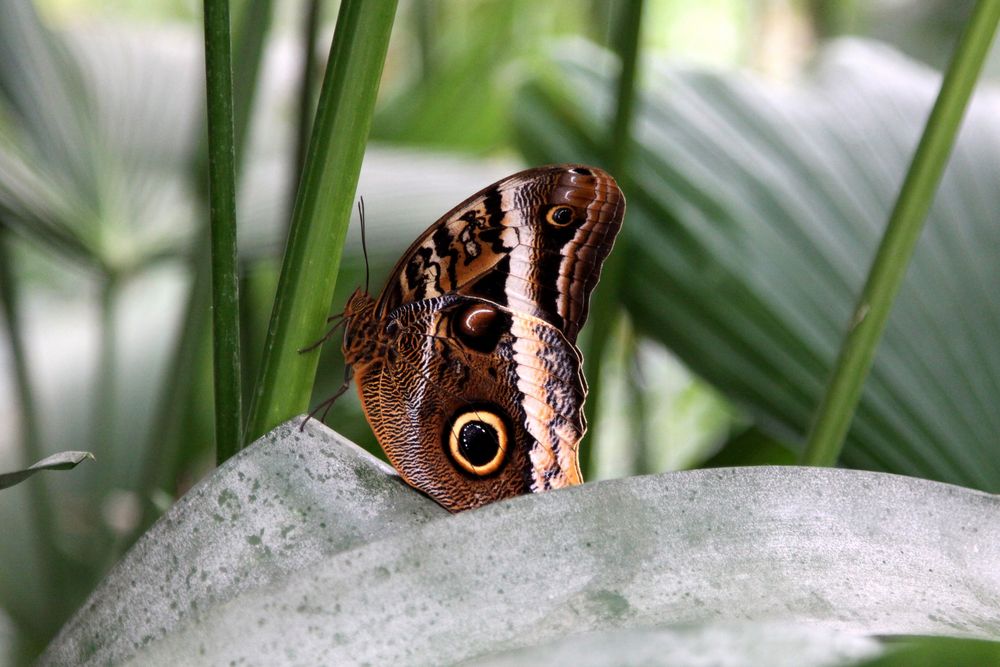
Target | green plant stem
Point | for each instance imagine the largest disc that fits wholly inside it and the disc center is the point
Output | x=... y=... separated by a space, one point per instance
x=832 y=421
x=248 y=45
x=322 y=212
x=222 y=198
x=627 y=48
x=424 y=15
x=18 y=353
x=43 y=516
x=606 y=302
x=635 y=392
x=103 y=418
x=181 y=379
x=830 y=19
x=307 y=107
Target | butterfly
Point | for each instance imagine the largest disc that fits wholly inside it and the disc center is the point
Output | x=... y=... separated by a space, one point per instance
x=466 y=364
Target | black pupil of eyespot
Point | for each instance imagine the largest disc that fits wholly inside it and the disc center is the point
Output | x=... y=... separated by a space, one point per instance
x=562 y=215
x=478 y=443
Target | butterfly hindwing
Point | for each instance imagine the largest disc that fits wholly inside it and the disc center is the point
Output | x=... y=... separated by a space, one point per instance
x=508 y=373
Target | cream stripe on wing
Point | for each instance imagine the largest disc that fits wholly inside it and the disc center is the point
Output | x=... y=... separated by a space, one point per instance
x=553 y=457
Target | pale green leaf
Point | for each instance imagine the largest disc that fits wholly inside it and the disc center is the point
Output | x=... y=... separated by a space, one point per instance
x=60 y=461
x=305 y=550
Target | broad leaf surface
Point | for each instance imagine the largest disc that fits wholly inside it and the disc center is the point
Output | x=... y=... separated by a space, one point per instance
x=305 y=550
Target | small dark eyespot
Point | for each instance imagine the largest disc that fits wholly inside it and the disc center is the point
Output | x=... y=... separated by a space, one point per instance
x=479 y=326
x=391 y=328
x=560 y=216
x=581 y=171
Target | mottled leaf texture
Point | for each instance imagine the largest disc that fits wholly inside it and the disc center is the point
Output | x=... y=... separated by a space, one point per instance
x=305 y=550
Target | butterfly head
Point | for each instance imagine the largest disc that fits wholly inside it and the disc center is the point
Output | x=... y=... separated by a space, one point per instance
x=359 y=326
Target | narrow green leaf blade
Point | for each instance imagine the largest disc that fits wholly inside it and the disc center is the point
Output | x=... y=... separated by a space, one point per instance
x=322 y=212
x=840 y=400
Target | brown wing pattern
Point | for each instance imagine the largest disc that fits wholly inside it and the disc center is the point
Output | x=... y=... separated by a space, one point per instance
x=466 y=365
x=520 y=369
x=533 y=242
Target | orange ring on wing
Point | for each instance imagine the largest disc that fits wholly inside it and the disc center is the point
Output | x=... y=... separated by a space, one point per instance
x=486 y=420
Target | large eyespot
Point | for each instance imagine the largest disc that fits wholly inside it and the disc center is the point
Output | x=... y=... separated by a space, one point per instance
x=477 y=441
x=559 y=216
x=479 y=326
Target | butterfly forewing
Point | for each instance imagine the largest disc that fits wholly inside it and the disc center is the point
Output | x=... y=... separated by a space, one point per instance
x=533 y=242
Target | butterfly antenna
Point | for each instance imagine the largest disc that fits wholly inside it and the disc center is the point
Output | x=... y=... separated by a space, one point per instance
x=341 y=321
x=364 y=245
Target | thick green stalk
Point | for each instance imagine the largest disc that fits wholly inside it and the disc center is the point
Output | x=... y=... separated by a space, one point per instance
x=322 y=212
x=605 y=305
x=222 y=198
x=834 y=416
x=307 y=106
x=627 y=48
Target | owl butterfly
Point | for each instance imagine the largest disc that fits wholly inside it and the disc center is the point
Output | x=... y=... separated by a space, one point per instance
x=466 y=364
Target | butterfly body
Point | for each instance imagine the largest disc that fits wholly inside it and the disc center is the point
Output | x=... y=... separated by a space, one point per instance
x=466 y=364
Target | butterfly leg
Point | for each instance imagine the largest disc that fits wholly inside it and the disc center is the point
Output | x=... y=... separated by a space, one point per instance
x=328 y=403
